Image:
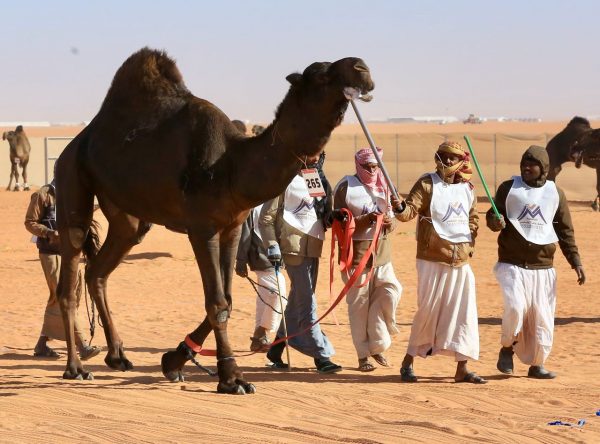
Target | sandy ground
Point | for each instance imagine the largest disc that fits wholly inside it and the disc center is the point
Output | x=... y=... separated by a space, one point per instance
x=156 y=298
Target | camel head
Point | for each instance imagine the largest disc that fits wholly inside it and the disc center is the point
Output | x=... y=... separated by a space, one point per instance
x=589 y=145
x=331 y=78
x=316 y=102
x=11 y=136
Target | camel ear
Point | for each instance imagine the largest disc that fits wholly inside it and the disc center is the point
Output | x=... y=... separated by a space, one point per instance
x=294 y=78
x=4 y=135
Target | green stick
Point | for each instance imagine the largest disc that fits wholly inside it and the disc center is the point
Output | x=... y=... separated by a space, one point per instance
x=485 y=187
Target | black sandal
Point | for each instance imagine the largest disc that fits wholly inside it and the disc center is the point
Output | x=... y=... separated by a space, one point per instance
x=473 y=379
x=407 y=374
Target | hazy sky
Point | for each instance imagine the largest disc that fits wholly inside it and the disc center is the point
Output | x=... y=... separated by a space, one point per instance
x=492 y=58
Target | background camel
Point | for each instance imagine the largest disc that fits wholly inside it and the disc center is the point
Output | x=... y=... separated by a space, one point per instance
x=19 y=156
x=239 y=125
x=578 y=143
x=257 y=129
x=154 y=153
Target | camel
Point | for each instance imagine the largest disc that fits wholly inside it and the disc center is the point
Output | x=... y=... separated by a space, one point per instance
x=19 y=156
x=156 y=154
x=241 y=126
x=257 y=129
x=578 y=143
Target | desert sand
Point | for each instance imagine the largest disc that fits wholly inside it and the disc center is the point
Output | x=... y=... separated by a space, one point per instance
x=156 y=298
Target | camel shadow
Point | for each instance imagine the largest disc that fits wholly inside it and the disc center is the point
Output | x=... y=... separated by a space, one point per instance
x=557 y=321
x=138 y=256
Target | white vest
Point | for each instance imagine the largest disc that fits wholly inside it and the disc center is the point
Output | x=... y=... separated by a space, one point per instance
x=255 y=218
x=531 y=210
x=299 y=209
x=362 y=200
x=450 y=206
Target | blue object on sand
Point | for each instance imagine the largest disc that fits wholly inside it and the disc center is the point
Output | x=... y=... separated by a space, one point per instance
x=580 y=423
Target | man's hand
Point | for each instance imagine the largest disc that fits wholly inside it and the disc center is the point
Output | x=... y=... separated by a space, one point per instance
x=53 y=238
x=580 y=275
x=497 y=224
x=387 y=222
x=241 y=269
x=397 y=205
x=274 y=255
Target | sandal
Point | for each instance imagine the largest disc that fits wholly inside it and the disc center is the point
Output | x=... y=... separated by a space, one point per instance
x=365 y=366
x=46 y=352
x=89 y=352
x=326 y=367
x=473 y=379
x=380 y=359
x=407 y=374
x=259 y=345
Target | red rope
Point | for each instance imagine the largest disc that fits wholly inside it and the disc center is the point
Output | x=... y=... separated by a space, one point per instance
x=342 y=232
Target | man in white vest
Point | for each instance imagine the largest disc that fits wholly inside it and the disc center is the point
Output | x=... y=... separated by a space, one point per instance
x=373 y=299
x=538 y=217
x=295 y=223
x=446 y=319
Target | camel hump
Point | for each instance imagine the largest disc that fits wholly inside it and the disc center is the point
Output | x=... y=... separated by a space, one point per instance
x=577 y=120
x=147 y=74
x=19 y=129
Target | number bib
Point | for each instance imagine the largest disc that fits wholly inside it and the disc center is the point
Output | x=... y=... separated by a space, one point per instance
x=313 y=182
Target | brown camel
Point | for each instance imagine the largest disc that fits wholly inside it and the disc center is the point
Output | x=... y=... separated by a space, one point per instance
x=257 y=129
x=241 y=126
x=19 y=156
x=578 y=143
x=155 y=154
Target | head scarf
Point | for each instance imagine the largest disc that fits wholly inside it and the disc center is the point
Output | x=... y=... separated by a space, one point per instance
x=462 y=169
x=539 y=155
x=373 y=180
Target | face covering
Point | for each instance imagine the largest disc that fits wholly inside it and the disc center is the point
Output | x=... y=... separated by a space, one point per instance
x=462 y=169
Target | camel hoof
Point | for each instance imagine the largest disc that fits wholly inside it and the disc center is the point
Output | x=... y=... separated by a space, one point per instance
x=118 y=363
x=175 y=376
x=172 y=364
x=239 y=388
x=87 y=376
x=249 y=388
x=596 y=206
x=234 y=389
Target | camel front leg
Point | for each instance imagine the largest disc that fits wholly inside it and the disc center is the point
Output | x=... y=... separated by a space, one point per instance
x=13 y=167
x=172 y=362
x=208 y=251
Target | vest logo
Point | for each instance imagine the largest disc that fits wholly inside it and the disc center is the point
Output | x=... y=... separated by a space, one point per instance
x=369 y=208
x=304 y=206
x=455 y=208
x=532 y=211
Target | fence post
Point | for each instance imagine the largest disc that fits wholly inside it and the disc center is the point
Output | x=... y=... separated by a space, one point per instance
x=495 y=168
x=397 y=157
x=45 y=160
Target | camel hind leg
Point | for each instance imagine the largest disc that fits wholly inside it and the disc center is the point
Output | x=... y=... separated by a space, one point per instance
x=124 y=231
x=596 y=203
x=24 y=174
x=74 y=217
